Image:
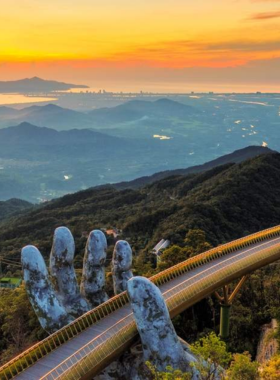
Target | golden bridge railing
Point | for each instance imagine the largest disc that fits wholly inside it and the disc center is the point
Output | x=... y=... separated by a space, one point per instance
x=91 y=356
x=49 y=344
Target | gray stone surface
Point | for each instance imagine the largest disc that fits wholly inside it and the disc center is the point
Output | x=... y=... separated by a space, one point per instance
x=63 y=273
x=161 y=345
x=55 y=305
x=121 y=266
x=49 y=309
x=93 y=279
x=131 y=365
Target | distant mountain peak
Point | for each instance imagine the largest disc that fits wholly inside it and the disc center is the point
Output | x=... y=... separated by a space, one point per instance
x=36 y=79
x=51 y=107
x=25 y=124
x=166 y=100
x=36 y=84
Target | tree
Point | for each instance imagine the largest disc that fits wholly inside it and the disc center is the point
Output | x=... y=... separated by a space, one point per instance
x=196 y=241
x=19 y=326
x=271 y=371
x=170 y=374
x=242 y=368
x=212 y=356
x=172 y=256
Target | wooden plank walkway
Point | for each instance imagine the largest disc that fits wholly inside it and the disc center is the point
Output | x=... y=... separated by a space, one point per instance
x=110 y=325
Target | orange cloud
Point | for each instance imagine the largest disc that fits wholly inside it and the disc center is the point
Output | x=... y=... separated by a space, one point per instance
x=265 y=16
x=175 y=54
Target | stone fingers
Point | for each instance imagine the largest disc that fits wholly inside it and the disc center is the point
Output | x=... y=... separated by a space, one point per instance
x=93 y=279
x=161 y=345
x=121 y=266
x=63 y=273
x=51 y=313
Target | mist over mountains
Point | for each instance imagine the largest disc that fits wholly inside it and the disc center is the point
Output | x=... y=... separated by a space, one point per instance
x=28 y=134
x=59 y=118
x=138 y=109
x=39 y=163
x=48 y=151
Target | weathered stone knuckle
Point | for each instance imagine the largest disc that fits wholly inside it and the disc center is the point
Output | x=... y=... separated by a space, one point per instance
x=63 y=272
x=50 y=311
x=93 y=278
x=121 y=265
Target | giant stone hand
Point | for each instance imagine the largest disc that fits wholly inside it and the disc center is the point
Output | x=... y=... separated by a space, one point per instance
x=160 y=344
x=57 y=299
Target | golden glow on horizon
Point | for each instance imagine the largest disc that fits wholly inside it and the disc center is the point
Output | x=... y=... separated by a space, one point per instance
x=152 y=33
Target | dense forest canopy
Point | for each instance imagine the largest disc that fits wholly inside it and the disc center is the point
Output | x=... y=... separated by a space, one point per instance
x=195 y=212
x=226 y=202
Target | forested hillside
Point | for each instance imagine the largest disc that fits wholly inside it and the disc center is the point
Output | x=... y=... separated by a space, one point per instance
x=224 y=203
x=237 y=156
x=12 y=207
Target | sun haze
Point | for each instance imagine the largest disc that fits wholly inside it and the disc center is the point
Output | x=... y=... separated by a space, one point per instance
x=167 y=41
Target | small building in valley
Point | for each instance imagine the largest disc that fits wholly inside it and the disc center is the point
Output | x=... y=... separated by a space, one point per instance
x=158 y=249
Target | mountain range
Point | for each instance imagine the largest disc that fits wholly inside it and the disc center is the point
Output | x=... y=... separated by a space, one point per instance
x=32 y=85
x=13 y=207
x=224 y=203
x=48 y=151
x=50 y=116
x=227 y=202
x=138 y=109
x=38 y=163
x=235 y=157
x=59 y=118
x=28 y=134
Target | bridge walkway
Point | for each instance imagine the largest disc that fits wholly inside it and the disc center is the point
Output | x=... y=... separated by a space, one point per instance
x=60 y=362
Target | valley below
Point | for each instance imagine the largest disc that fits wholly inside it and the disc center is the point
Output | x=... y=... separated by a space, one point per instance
x=47 y=151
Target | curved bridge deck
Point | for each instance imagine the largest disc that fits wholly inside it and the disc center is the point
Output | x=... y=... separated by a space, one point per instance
x=82 y=354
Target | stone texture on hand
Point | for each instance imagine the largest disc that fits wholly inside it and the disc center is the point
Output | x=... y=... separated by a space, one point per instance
x=121 y=266
x=57 y=300
x=93 y=279
x=161 y=345
x=51 y=313
x=63 y=273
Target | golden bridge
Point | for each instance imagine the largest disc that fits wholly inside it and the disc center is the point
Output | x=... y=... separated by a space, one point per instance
x=83 y=348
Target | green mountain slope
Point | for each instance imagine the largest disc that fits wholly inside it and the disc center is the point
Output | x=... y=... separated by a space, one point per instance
x=227 y=202
x=12 y=207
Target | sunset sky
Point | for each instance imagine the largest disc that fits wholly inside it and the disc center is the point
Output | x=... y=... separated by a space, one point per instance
x=129 y=41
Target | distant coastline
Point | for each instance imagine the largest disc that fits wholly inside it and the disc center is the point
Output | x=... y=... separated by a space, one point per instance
x=35 y=85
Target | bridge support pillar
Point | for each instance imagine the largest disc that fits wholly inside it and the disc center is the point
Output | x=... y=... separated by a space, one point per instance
x=225 y=303
x=224 y=321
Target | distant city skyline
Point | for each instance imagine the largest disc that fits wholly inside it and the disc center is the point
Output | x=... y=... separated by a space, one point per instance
x=146 y=45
